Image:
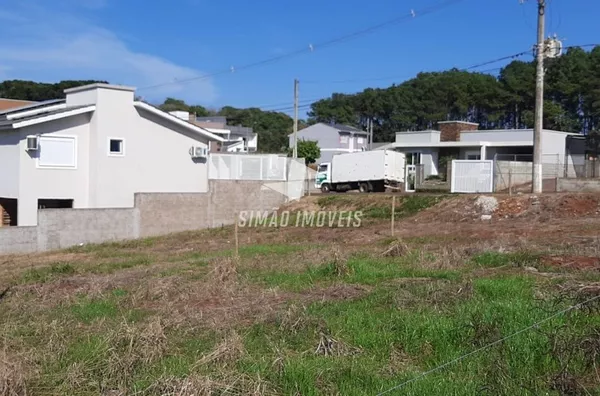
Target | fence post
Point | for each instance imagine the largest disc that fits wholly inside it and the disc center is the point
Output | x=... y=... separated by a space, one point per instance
x=510 y=181
x=393 y=212
x=237 y=246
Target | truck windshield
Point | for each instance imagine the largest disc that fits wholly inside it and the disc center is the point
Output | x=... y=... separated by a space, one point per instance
x=322 y=168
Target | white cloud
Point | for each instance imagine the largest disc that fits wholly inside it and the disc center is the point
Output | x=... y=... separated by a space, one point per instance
x=65 y=47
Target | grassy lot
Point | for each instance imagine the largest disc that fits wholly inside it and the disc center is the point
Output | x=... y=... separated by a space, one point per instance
x=306 y=312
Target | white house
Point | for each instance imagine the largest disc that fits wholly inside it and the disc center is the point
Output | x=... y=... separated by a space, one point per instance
x=462 y=140
x=333 y=139
x=95 y=149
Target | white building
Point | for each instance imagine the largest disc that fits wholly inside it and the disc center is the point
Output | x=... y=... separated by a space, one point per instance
x=333 y=139
x=237 y=139
x=462 y=140
x=95 y=149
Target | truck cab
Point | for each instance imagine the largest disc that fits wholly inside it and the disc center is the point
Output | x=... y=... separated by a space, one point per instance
x=323 y=177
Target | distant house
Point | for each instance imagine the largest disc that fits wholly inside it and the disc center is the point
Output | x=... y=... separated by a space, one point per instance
x=333 y=139
x=463 y=140
x=237 y=139
x=7 y=104
x=96 y=149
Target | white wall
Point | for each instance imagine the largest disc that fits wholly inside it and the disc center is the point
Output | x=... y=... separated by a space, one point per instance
x=156 y=157
x=554 y=143
x=505 y=135
x=48 y=183
x=9 y=164
x=418 y=137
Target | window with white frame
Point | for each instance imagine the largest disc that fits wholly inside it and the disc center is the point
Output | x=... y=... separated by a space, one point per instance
x=344 y=139
x=116 y=147
x=57 y=152
x=360 y=140
x=413 y=158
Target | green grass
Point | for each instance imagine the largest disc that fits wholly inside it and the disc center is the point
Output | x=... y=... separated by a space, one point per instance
x=89 y=310
x=358 y=270
x=47 y=273
x=493 y=259
x=122 y=262
x=381 y=208
x=423 y=337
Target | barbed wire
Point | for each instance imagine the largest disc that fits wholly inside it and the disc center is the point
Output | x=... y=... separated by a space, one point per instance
x=516 y=333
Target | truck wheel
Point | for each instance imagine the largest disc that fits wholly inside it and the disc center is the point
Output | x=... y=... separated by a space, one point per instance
x=325 y=188
x=363 y=187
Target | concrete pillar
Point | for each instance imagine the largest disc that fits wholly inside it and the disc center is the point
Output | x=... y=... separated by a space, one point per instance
x=483 y=152
x=27 y=208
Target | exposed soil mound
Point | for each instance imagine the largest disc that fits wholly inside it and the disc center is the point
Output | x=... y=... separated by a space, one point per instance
x=470 y=208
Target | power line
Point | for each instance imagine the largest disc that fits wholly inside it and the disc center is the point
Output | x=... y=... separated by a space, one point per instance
x=476 y=66
x=515 y=56
x=287 y=103
x=516 y=333
x=310 y=48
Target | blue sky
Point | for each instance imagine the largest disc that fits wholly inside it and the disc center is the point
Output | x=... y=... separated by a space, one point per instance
x=144 y=43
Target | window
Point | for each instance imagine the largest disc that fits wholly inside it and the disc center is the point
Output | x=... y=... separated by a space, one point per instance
x=360 y=140
x=344 y=139
x=116 y=147
x=57 y=152
x=322 y=168
x=413 y=158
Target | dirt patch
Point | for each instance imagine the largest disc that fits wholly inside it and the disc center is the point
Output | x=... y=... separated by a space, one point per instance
x=572 y=262
x=512 y=207
x=578 y=205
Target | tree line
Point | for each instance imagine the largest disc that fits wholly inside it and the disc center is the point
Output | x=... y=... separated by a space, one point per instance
x=572 y=99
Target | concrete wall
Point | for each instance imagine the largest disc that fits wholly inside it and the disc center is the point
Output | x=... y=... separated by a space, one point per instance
x=153 y=214
x=578 y=185
x=518 y=174
x=53 y=183
x=504 y=135
x=418 y=137
x=167 y=213
x=9 y=164
x=62 y=228
x=18 y=240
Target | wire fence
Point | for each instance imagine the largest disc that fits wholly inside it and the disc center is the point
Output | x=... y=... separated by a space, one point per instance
x=513 y=172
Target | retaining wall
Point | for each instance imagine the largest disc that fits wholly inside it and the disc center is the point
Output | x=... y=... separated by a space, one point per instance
x=153 y=214
x=578 y=185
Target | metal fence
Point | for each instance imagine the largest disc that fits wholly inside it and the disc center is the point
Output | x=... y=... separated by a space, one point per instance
x=288 y=176
x=247 y=167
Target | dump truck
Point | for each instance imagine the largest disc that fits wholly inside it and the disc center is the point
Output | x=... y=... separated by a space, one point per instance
x=366 y=171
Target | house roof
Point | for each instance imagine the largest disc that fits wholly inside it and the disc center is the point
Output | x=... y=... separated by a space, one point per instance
x=337 y=127
x=186 y=124
x=31 y=106
x=345 y=128
x=477 y=143
x=40 y=117
x=7 y=104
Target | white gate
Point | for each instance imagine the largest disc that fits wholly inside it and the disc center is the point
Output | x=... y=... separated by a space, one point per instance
x=470 y=176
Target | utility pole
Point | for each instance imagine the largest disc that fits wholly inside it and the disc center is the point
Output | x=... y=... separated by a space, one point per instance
x=539 y=100
x=296 y=83
x=370 y=134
